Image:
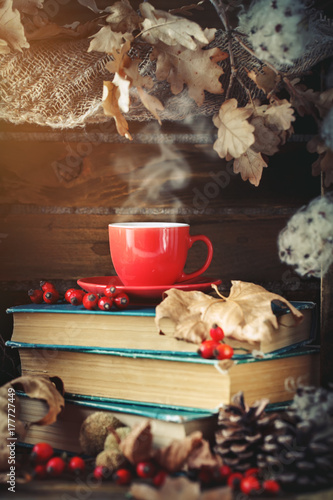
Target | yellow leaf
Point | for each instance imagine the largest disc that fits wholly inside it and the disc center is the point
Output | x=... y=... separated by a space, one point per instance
x=250 y=165
x=111 y=108
x=11 y=28
x=151 y=103
x=235 y=133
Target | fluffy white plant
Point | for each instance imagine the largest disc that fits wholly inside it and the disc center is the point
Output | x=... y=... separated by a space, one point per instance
x=307 y=240
x=277 y=29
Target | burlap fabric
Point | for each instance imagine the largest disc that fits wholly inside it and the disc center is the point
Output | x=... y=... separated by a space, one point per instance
x=57 y=83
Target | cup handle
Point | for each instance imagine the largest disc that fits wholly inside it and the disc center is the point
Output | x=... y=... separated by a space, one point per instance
x=193 y=239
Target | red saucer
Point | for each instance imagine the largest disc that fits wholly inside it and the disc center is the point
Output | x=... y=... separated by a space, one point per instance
x=97 y=284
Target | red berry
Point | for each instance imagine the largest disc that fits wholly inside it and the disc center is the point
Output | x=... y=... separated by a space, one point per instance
x=36 y=296
x=121 y=300
x=41 y=453
x=90 y=300
x=76 y=465
x=110 y=291
x=234 y=480
x=76 y=297
x=46 y=285
x=68 y=294
x=253 y=471
x=206 y=349
x=101 y=472
x=225 y=472
x=39 y=471
x=249 y=485
x=223 y=351
x=216 y=333
x=105 y=303
x=122 y=477
x=55 y=466
x=146 y=469
x=271 y=486
x=51 y=296
x=159 y=478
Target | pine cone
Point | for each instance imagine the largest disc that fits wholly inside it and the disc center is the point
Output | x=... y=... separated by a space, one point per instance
x=299 y=452
x=241 y=432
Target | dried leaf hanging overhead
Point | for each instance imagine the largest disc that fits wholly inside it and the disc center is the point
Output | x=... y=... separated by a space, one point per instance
x=245 y=315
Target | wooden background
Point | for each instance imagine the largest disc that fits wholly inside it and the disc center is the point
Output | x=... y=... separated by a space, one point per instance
x=59 y=190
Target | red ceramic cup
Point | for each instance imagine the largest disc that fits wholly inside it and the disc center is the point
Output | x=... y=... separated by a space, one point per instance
x=153 y=253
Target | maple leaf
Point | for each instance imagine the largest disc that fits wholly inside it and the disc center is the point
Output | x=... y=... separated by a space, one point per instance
x=266 y=80
x=160 y=26
x=182 y=66
x=111 y=108
x=123 y=17
x=250 y=165
x=151 y=103
x=246 y=314
x=235 y=133
x=179 y=488
x=11 y=28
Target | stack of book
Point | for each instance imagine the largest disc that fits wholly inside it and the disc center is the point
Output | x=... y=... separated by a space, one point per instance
x=117 y=361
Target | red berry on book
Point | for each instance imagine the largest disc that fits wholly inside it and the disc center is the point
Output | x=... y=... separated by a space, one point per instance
x=234 y=480
x=76 y=297
x=122 y=477
x=271 y=486
x=90 y=300
x=223 y=351
x=159 y=478
x=206 y=349
x=146 y=469
x=216 y=333
x=36 y=296
x=39 y=471
x=249 y=485
x=51 y=296
x=55 y=466
x=110 y=291
x=76 y=465
x=46 y=285
x=41 y=453
x=121 y=300
x=105 y=303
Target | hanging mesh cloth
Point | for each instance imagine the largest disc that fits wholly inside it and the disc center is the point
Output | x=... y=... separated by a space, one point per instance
x=57 y=83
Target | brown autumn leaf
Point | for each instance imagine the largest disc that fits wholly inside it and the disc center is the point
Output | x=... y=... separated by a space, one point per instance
x=174 y=456
x=137 y=445
x=266 y=140
x=122 y=17
x=179 y=488
x=266 y=80
x=324 y=164
x=111 y=42
x=235 y=133
x=37 y=387
x=250 y=165
x=160 y=26
x=151 y=103
x=11 y=29
x=201 y=456
x=31 y=7
x=279 y=114
x=110 y=105
x=180 y=67
x=246 y=314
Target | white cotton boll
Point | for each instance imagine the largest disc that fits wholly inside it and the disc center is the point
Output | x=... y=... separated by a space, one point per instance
x=277 y=29
x=307 y=240
x=327 y=129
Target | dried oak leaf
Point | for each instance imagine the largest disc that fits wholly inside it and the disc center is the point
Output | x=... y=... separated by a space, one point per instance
x=279 y=114
x=122 y=17
x=201 y=456
x=179 y=488
x=111 y=42
x=110 y=105
x=266 y=140
x=160 y=26
x=235 y=133
x=11 y=29
x=246 y=314
x=267 y=80
x=28 y=6
x=179 y=67
x=151 y=103
x=137 y=445
x=174 y=456
x=250 y=165
x=324 y=162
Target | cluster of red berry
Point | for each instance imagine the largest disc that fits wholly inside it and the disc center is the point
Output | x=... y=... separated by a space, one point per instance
x=215 y=348
x=50 y=295
x=47 y=464
x=147 y=470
